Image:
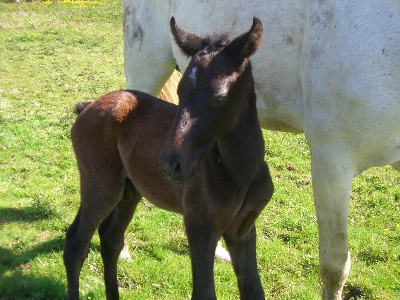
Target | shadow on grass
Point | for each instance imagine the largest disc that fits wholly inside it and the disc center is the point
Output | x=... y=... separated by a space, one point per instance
x=39 y=210
x=156 y=251
x=16 y=282
x=355 y=292
x=26 y=286
x=22 y=286
x=10 y=260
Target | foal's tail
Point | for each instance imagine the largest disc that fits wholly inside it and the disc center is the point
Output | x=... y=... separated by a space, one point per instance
x=81 y=106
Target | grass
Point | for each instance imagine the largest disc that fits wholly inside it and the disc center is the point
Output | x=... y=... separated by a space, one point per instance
x=55 y=54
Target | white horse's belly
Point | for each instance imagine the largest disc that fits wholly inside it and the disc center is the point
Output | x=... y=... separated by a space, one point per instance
x=276 y=64
x=349 y=82
x=285 y=116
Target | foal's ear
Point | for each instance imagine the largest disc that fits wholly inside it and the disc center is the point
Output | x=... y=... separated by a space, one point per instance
x=248 y=43
x=189 y=43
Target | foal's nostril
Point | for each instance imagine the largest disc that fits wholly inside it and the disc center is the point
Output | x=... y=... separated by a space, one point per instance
x=171 y=166
x=175 y=168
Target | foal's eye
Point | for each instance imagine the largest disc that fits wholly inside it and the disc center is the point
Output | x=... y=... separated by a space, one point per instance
x=218 y=100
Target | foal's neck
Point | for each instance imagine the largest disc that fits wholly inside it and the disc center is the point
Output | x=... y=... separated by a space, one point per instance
x=241 y=149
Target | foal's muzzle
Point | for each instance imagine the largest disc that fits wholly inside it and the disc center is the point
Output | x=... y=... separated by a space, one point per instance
x=172 y=167
x=179 y=166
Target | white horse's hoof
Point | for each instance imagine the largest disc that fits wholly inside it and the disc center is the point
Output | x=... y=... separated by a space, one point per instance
x=124 y=255
x=221 y=253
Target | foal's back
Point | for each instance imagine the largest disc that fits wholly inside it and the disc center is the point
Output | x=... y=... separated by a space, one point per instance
x=125 y=131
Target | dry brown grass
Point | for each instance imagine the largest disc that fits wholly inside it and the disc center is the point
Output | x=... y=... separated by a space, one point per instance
x=168 y=92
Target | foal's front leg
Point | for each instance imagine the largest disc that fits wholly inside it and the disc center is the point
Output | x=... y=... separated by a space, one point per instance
x=243 y=255
x=202 y=243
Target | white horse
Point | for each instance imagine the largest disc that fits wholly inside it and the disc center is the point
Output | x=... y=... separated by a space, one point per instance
x=328 y=68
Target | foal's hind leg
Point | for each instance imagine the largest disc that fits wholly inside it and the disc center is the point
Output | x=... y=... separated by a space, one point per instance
x=98 y=199
x=111 y=233
x=243 y=255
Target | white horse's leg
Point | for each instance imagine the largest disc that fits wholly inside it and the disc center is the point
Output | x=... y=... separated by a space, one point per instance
x=148 y=59
x=332 y=177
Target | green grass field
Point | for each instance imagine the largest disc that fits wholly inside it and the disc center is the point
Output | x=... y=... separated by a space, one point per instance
x=55 y=54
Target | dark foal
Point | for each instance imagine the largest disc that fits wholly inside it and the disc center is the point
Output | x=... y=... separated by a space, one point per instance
x=215 y=147
x=215 y=151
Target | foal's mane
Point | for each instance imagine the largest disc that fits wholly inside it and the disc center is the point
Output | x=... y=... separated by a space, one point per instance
x=209 y=43
x=219 y=39
x=216 y=41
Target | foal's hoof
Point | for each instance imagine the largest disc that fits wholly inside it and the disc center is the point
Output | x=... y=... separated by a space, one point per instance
x=221 y=253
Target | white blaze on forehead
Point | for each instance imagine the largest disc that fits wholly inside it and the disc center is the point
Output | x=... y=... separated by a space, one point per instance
x=193 y=77
x=225 y=85
x=185 y=123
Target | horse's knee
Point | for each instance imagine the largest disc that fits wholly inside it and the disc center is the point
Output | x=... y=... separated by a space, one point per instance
x=78 y=237
x=202 y=235
x=333 y=276
x=74 y=255
x=73 y=248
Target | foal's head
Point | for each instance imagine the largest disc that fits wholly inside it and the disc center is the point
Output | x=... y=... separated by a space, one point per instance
x=213 y=92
